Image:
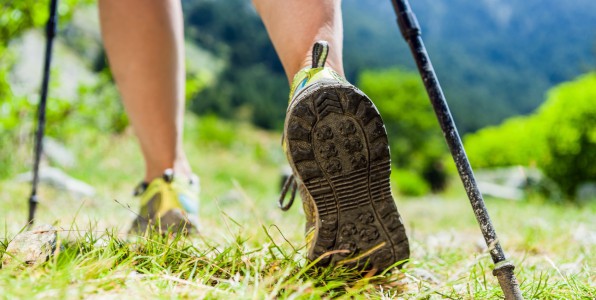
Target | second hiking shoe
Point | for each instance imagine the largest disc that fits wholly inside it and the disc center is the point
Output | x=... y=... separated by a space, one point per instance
x=169 y=204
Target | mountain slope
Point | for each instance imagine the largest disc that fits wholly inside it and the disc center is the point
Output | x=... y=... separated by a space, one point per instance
x=495 y=58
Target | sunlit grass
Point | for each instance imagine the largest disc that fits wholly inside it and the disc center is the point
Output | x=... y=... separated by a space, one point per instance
x=250 y=249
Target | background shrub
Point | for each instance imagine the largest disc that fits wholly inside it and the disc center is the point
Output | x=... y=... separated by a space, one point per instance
x=559 y=138
x=415 y=138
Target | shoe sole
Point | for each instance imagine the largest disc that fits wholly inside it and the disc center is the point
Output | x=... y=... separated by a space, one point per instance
x=338 y=147
x=173 y=221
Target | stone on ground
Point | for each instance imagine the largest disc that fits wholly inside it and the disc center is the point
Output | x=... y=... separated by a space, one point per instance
x=31 y=247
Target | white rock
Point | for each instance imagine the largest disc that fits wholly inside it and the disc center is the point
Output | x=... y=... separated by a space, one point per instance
x=31 y=247
x=58 y=153
x=59 y=180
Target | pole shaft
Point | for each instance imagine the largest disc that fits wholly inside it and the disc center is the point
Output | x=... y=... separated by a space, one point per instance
x=452 y=137
x=41 y=109
x=411 y=32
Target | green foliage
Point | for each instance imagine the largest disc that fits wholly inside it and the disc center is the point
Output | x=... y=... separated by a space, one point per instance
x=570 y=113
x=252 y=94
x=409 y=183
x=195 y=83
x=253 y=85
x=560 y=137
x=415 y=139
x=492 y=59
x=15 y=18
x=517 y=141
x=249 y=249
x=97 y=109
x=212 y=130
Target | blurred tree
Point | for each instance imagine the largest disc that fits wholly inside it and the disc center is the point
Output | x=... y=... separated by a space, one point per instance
x=493 y=60
x=253 y=85
x=415 y=138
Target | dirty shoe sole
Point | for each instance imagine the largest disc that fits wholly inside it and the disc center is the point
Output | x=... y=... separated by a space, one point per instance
x=338 y=147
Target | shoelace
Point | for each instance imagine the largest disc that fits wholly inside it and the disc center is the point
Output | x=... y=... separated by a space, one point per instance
x=290 y=181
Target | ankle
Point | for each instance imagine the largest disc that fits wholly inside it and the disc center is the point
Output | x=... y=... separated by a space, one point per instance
x=180 y=168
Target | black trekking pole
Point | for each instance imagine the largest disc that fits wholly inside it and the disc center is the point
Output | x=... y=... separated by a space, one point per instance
x=410 y=30
x=41 y=109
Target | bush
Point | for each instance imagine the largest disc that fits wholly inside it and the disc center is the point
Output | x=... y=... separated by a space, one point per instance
x=415 y=138
x=517 y=141
x=409 y=183
x=569 y=114
x=559 y=138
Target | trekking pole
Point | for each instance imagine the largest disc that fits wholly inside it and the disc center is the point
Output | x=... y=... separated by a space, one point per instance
x=410 y=30
x=41 y=109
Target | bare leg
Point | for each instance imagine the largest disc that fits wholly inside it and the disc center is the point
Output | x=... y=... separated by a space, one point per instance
x=145 y=46
x=294 y=25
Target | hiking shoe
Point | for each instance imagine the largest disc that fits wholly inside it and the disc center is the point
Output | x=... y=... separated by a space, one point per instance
x=168 y=204
x=336 y=144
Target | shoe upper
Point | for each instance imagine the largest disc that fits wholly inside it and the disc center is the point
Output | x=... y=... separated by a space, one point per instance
x=317 y=72
x=168 y=200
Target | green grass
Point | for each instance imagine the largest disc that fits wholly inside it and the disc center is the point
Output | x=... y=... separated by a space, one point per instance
x=250 y=249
